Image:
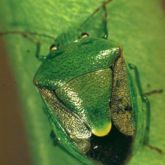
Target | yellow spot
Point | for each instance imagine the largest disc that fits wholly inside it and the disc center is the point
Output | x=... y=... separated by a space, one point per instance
x=103 y=131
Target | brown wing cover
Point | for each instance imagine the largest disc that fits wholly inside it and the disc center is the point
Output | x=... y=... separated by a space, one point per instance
x=120 y=102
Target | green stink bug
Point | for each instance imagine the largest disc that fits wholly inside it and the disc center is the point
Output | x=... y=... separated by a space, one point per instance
x=94 y=98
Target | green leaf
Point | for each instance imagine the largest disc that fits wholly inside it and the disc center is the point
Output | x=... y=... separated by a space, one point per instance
x=138 y=26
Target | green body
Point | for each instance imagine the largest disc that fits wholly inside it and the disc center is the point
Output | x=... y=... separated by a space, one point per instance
x=88 y=88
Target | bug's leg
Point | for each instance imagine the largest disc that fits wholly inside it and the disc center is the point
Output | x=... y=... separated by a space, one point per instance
x=53 y=137
x=37 y=54
x=29 y=36
x=52 y=134
x=155 y=91
x=104 y=4
x=96 y=23
x=147 y=131
x=146 y=106
x=105 y=20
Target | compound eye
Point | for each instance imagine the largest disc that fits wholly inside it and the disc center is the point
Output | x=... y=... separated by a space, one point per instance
x=53 y=47
x=84 y=35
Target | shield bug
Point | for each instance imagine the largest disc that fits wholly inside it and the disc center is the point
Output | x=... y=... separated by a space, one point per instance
x=93 y=96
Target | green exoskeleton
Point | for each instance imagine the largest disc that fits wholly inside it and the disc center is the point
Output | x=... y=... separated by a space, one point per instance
x=94 y=99
x=95 y=102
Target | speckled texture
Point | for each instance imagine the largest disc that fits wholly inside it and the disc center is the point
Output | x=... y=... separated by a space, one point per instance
x=92 y=92
x=76 y=59
x=123 y=114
